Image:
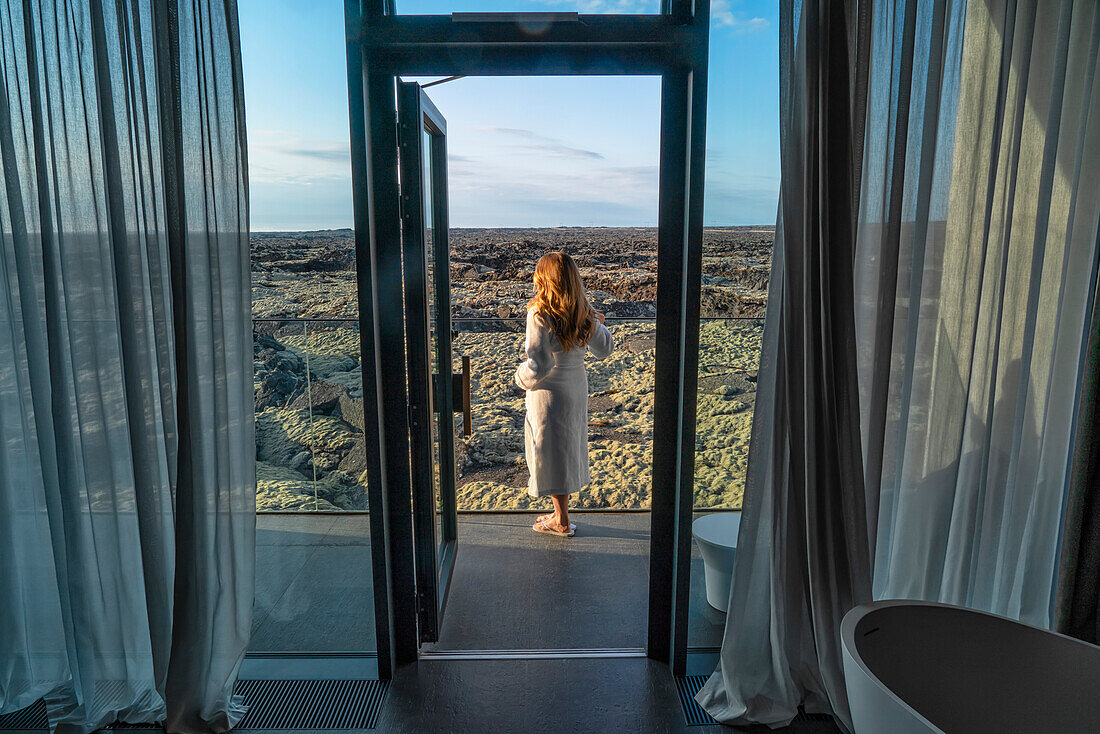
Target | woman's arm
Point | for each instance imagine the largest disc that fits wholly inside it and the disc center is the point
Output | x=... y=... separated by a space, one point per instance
x=540 y=355
x=601 y=344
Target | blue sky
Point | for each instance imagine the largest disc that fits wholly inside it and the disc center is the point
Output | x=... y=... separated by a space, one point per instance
x=523 y=151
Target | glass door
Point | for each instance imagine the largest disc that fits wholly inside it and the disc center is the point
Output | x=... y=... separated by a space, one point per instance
x=434 y=389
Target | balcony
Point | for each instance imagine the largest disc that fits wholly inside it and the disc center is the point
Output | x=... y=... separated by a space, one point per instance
x=314 y=534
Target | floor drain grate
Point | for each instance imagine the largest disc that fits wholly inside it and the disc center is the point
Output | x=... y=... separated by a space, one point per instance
x=33 y=718
x=687 y=686
x=29 y=719
x=312 y=705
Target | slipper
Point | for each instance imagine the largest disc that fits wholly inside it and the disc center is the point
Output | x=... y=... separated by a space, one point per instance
x=540 y=527
x=544 y=518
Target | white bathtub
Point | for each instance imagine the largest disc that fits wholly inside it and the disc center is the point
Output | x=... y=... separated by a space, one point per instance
x=918 y=667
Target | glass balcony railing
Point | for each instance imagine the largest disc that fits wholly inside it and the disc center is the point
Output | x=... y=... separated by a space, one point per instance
x=729 y=361
x=309 y=416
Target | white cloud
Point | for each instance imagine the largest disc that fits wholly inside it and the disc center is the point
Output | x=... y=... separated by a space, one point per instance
x=540 y=144
x=511 y=176
x=276 y=156
x=724 y=17
x=595 y=7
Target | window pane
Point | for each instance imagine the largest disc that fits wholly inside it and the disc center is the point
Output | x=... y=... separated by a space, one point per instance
x=741 y=198
x=314 y=589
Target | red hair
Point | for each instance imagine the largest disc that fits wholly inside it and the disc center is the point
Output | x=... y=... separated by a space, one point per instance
x=561 y=301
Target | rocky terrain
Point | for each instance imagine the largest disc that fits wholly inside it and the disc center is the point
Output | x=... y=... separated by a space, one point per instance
x=308 y=389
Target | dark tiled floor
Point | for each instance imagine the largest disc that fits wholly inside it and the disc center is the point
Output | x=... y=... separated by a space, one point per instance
x=512 y=589
x=529 y=696
x=533 y=696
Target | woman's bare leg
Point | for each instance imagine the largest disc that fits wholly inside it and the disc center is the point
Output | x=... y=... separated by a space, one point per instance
x=560 y=520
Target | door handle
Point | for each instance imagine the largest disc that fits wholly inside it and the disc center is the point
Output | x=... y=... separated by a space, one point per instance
x=460 y=388
x=460 y=391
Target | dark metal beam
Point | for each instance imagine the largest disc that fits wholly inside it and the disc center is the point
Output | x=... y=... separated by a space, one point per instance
x=375 y=9
x=385 y=236
x=368 y=348
x=689 y=386
x=530 y=44
x=520 y=60
x=679 y=11
x=668 y=376
x=594 y=31
x=679 y=273
x=696 y=121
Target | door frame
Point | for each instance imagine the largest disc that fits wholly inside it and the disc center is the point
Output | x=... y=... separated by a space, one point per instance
x=433 y=393
x=382 y=46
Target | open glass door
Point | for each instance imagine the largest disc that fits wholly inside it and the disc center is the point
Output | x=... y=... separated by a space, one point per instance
x=434 y=389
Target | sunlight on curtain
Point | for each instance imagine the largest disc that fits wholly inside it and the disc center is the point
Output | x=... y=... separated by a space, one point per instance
x=974 y=387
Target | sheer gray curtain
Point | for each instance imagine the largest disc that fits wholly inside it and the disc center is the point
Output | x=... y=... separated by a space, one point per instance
x=127 y=474
x=978 y=232
x=974 y=271
x=803 y=556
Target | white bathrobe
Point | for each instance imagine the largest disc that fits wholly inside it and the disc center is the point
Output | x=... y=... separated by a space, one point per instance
x=556 y=427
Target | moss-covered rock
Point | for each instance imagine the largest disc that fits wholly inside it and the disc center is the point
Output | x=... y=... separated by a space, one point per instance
x=279 y=488
x=320 y=396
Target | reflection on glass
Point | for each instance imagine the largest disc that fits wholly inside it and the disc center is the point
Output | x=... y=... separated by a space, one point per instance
x=433 y=336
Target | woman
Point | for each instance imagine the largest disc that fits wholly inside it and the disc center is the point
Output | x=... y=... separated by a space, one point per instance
x=561 y=327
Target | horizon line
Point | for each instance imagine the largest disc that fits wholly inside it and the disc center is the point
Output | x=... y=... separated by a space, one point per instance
x=517 y=226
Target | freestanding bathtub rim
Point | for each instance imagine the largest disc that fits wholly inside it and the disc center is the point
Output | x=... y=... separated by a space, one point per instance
x=848 y=642
x=856 y=614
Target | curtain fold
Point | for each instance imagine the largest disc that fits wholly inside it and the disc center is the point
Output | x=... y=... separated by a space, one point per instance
x=216 y=480
x=991 y=287
x=803 y=556
x=126 y=474
x=962 y=335
x=1077 y=605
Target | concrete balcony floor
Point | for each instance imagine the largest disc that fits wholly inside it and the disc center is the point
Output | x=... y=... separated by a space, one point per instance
x=513 y=589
